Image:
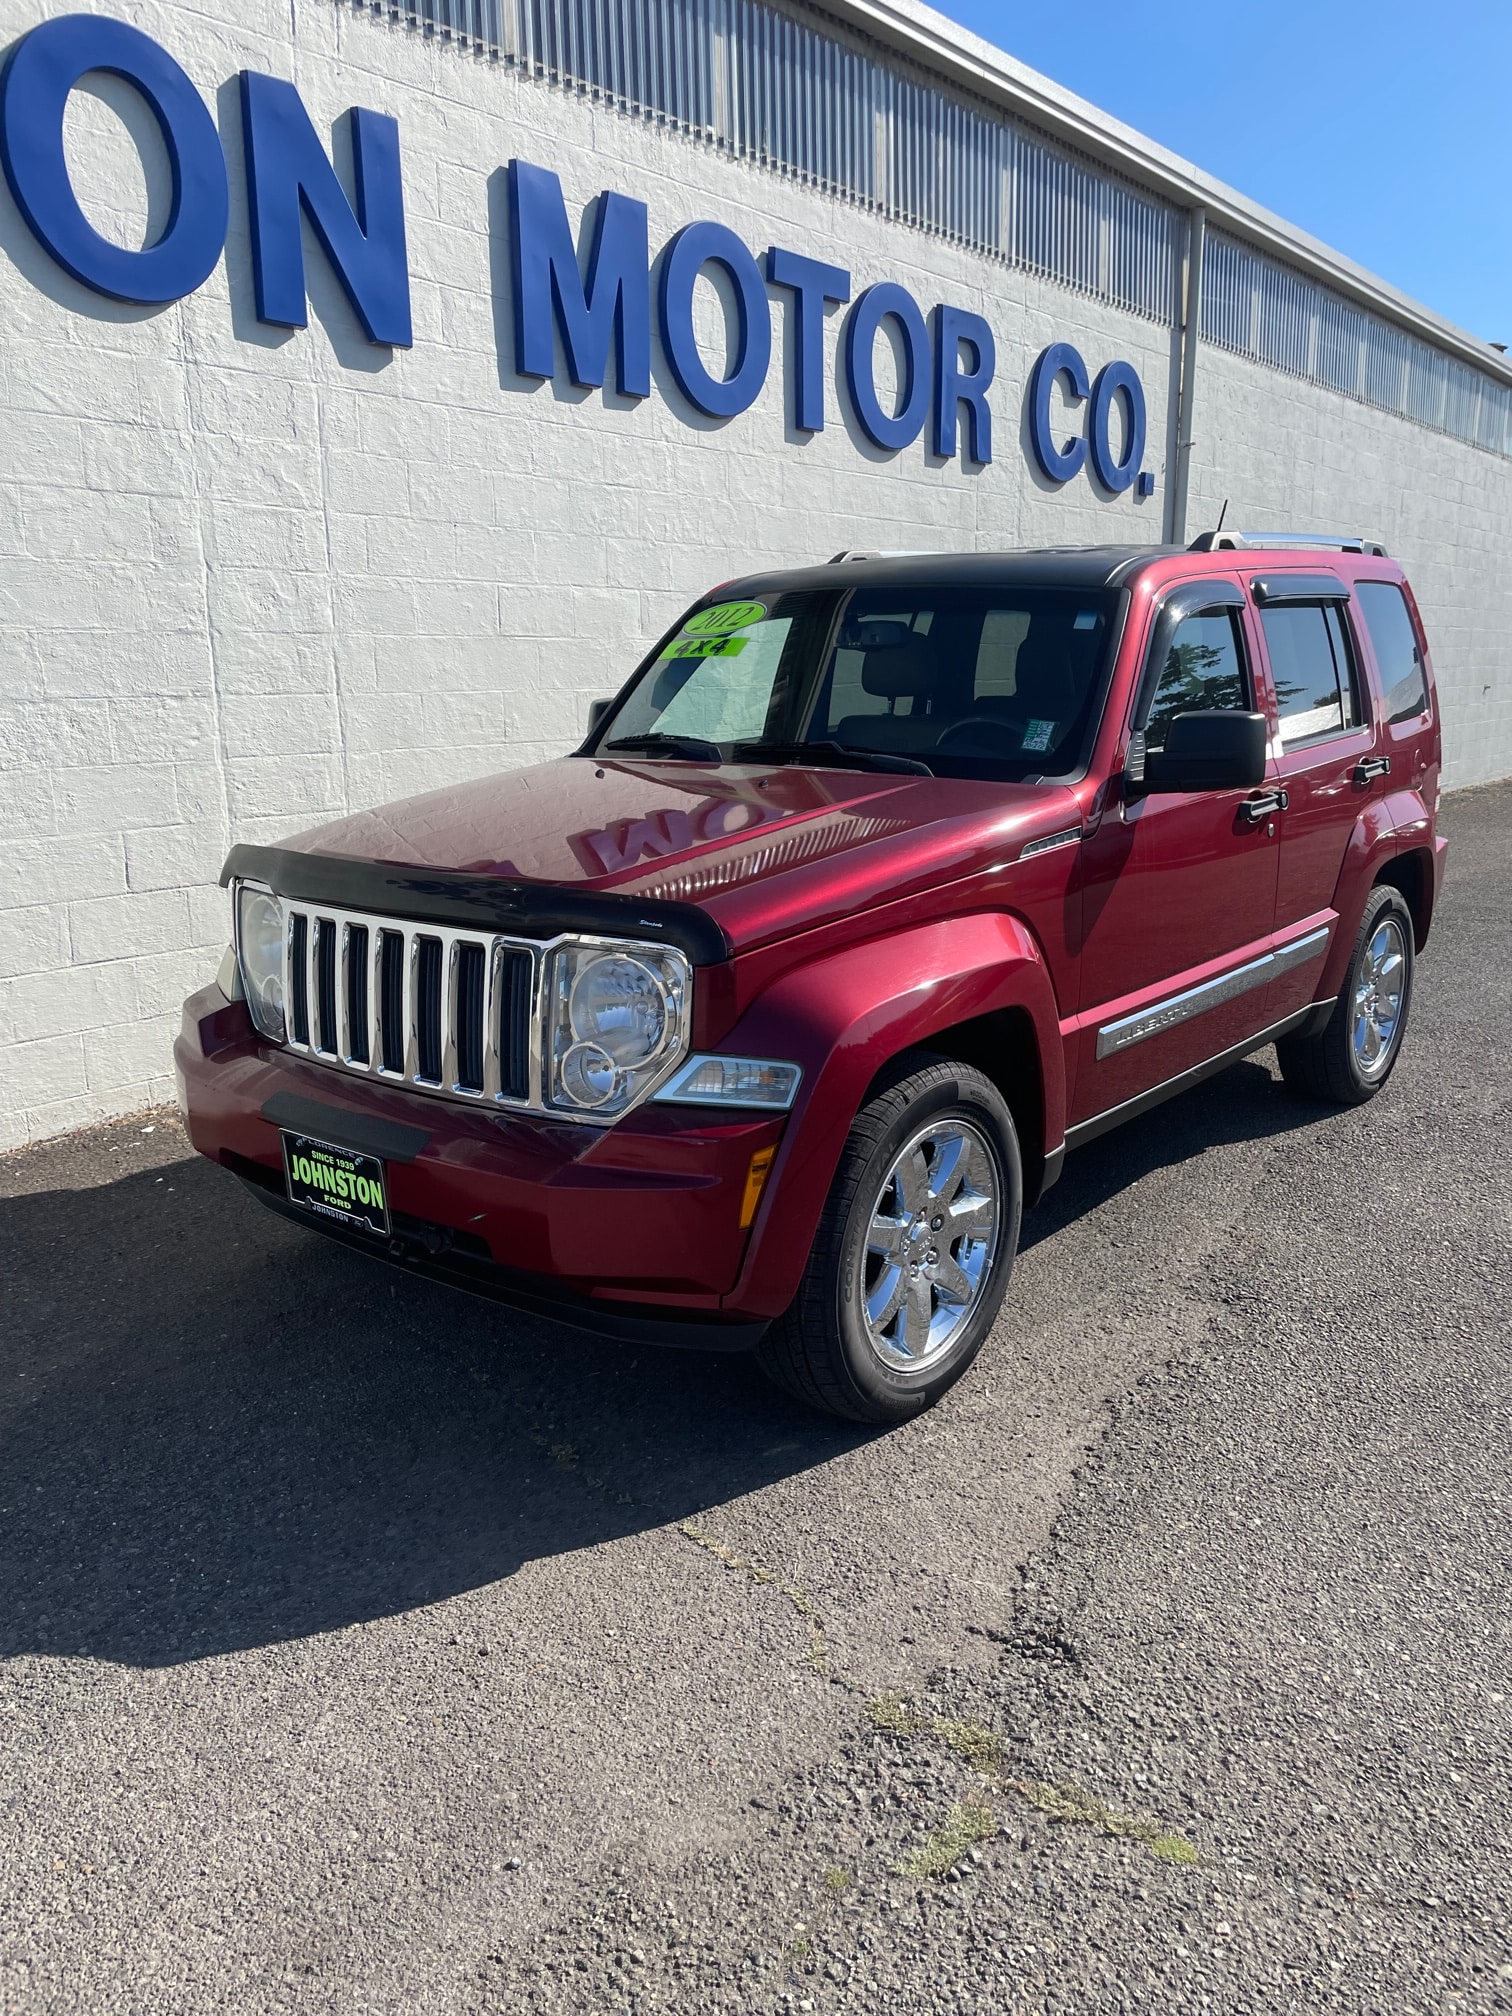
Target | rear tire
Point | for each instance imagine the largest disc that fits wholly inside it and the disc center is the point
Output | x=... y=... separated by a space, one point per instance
x=913 y=1252
x=1349 y=1061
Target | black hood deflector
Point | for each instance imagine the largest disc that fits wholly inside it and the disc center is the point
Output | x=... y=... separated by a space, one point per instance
x=482 y=902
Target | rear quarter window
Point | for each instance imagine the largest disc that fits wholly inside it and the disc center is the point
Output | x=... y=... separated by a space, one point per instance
x=1404 y=680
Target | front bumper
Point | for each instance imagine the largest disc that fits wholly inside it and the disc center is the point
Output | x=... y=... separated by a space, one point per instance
x=632 y=1230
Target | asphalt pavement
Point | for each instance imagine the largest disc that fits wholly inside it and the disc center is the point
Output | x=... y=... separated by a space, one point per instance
x=370 y=1649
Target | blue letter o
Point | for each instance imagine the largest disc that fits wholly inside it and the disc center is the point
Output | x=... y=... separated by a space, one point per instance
x=689 y=252
x=44 y=67
x=888 y=430
x=1111 y=380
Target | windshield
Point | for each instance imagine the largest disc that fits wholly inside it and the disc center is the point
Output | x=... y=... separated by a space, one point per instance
x=979 y=680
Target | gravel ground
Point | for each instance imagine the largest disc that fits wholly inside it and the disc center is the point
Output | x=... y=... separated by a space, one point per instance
x=370 y=1649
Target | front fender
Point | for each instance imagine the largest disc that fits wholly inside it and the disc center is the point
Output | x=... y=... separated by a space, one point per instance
x=846 y=1016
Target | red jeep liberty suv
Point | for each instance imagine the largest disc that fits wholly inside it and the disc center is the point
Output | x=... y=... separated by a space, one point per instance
x=758 y=1021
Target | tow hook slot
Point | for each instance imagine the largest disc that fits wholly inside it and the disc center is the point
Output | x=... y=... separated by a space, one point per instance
x=425 y=1242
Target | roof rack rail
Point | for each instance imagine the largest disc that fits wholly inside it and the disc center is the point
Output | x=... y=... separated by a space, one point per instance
x=1334 y=542
x=878 y=553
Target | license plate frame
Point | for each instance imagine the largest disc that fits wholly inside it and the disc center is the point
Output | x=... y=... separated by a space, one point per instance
x=337 y=1185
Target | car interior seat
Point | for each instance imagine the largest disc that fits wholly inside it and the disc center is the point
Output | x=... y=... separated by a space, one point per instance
x=906 y=670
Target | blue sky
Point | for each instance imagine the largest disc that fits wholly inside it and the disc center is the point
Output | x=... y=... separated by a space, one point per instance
x=1385 y=130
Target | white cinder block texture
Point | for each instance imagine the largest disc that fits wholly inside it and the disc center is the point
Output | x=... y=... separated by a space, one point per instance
x=250 y=578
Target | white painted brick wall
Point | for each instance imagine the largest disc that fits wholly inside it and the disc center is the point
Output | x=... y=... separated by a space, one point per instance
x=252 y=578
x=1442 y=508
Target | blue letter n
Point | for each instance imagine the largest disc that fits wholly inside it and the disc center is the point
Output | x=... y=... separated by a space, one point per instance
x=288 y=167
x=615 y=302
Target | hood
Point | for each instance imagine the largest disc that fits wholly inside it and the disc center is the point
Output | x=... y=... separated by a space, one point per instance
x=764 y=849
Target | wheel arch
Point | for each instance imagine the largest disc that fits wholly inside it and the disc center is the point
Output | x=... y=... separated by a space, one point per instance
x=1004 y=1046
x=956 y=987
x=1411 y=875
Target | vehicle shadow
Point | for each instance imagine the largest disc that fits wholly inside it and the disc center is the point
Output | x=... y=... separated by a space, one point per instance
x=1244 y=1103
x=221 y=1431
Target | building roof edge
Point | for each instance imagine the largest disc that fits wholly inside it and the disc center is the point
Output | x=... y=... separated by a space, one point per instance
x=931 y=40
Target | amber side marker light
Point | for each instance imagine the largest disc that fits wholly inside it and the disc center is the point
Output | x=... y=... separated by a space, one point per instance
x=756 y=1175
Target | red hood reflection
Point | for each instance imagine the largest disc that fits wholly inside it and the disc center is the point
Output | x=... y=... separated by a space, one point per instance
x=699 y=833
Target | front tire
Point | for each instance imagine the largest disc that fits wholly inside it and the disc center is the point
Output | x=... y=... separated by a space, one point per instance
x=913 y=1252
x=1356 y=1052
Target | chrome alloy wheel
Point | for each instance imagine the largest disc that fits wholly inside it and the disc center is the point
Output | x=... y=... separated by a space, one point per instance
x=930 y=1244
x=1380 y=988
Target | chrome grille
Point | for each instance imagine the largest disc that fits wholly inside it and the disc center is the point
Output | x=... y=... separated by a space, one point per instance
x=413 y=1004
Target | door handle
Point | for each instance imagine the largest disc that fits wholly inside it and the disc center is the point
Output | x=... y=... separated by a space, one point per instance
x=1263 y=805
x=1372 y=766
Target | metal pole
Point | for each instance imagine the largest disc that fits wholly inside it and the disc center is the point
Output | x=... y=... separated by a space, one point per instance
x=1191 y=329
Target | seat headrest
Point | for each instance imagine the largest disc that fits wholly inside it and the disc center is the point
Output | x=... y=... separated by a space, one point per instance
x=901 y=670
x=1043 y=676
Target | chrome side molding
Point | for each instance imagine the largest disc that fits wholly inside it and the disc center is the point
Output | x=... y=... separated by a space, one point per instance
x=1178 y=1008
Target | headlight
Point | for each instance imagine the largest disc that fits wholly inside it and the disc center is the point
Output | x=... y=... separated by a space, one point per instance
x=616 y=1022
x=259 y=948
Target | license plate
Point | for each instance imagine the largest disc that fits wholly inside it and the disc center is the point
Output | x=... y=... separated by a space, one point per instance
x=336 y=1183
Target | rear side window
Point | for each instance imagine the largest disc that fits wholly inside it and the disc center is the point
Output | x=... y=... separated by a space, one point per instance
x=1203 y=670
x=1403 y=679
x=1312 y=667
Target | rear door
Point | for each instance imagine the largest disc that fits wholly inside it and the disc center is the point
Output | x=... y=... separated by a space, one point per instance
x=1179 y=888
x=1405 y=697
x=1326 y=762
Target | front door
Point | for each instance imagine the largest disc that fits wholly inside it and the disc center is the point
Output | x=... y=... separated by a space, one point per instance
x=1180 y=887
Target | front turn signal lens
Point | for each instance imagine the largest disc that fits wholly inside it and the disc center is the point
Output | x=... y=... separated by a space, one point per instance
x=733 y=1081
x=756 y=1176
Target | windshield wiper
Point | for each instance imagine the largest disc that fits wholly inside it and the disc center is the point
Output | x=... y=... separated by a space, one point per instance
x=693 y=747
x=835 y=755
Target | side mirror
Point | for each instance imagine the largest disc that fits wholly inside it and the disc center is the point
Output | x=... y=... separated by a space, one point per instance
x=1221 y=750
x=597 y=709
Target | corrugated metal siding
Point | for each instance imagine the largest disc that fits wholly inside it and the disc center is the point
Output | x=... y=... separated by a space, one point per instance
x=1258 y=308
x=785 y=86
x=804 y=98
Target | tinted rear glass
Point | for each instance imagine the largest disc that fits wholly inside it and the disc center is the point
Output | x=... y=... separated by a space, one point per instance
x=1404 y=683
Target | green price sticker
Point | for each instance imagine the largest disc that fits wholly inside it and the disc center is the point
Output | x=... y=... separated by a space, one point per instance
x=707 y=647
x=724 y=616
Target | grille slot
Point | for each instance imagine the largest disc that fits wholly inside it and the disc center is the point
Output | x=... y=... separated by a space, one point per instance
x=299 y=978
x=427 y=959
x=469 y=1017
x=357 y=1043
x=326 y=1035
x=391 y=1000
x=416 y=1004
x=512 y=992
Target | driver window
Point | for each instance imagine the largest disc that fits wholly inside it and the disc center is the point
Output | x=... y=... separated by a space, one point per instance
x=1204 y=669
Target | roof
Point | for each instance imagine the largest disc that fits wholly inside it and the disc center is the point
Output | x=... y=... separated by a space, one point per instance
x=1099 y=567
x=1036 y=567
